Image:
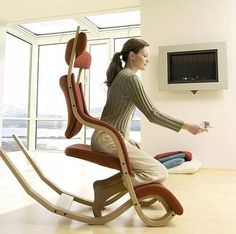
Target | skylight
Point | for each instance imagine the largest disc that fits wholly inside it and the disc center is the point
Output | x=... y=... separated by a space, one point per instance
x=101 y=22
x=115 y=20
x=51 y=27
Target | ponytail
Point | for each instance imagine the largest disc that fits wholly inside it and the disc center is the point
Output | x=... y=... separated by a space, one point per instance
x=114 y=68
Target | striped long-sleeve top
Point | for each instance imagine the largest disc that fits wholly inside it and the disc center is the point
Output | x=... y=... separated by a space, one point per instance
x=126 y=93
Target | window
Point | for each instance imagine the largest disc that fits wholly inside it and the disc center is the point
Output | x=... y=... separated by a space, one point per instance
x=116 y=20
x=10 y=127
x=102 y=22
x=50 y=27
x=51 y=111
x=16 y=91
x=41 y=121
x=97 y=87
x=51 y=67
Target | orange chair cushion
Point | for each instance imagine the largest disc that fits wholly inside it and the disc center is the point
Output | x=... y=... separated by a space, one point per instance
x=83 y=61
x=73 y=125
x=160 y=190
x=80 y=47
x=85 y=152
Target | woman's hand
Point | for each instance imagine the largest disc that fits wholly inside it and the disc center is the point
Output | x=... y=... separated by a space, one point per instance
x=194 y=128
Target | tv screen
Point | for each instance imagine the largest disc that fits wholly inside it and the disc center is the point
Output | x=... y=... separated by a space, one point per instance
x=192 y=66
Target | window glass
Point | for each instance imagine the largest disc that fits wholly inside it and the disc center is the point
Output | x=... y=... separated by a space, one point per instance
x=116 y=20
x=10 y=127
x=51 y=102
x=135 y=130
x=98 y=89
x=119 y=42
x=16 y=82
x=51 y=109
x=50 y=27
x=15 y=92
x=50 y=135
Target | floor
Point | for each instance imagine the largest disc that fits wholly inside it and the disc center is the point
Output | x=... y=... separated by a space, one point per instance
x=208 y=198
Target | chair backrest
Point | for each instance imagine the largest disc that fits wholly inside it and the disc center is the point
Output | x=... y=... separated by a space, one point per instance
x=73 y=125
x=82 y=61
x=78 y=114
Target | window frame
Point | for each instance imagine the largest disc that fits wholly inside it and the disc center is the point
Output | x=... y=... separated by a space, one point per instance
x=27 y=117
x=103 y=37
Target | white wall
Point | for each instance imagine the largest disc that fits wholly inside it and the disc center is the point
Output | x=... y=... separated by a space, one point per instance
x=2 y=64
x=172 y=22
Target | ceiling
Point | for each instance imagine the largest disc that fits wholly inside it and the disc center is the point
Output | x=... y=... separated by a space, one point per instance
x=25 y=11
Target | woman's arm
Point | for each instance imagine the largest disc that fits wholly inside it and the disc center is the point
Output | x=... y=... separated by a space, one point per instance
x=134 y=89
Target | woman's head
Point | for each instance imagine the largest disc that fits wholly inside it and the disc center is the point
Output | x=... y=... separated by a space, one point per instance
x=133 y=53
x=133 y=46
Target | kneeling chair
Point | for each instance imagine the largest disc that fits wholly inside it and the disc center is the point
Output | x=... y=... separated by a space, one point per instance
x=106 y=191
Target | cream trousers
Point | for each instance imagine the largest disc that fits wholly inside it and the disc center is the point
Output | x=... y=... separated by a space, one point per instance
x=145 y=167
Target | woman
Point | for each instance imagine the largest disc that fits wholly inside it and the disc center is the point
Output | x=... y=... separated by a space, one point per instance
x=125 y=92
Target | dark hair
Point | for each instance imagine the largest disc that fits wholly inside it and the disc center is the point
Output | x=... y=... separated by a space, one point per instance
x=134 y=45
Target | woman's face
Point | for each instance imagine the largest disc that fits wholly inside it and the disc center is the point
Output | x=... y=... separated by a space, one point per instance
x=140 y=60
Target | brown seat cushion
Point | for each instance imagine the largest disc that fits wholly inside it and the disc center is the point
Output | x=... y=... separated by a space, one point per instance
x=162 y=191
x=85 y=152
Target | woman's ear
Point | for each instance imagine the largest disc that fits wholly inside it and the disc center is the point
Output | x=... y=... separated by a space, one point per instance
x=131 y=54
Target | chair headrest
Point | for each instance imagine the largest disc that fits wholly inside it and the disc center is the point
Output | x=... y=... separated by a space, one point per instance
x=80 y=47
x=83 y=61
